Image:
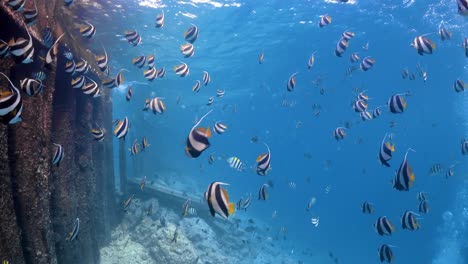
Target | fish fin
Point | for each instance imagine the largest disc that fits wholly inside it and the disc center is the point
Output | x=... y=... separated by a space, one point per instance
x=11 y=42
x=231 y=208
x=433 y=45
x=260 y=157
x=412 y=177
x=225 y=194
x=5 y=94
x=208 y=132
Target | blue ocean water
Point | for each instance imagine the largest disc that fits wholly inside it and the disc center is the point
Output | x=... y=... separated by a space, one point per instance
x=340 y=174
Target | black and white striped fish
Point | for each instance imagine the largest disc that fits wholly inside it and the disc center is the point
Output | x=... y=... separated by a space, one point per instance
x=341 y=47
x=47 y=37
x=196 y=87
x=263 y=192
x=98 y=133
x=128 y=202
x=75 y=230
x=236 y=163
x=82 y=67
x=404 y=73
x=139 y=61
x=88 y=30
x=161 y=72
x=121 y=128
x=91 y=88
x=151 y=74
x=129 y=94
x=102 y=62
x=182 y=70
x=135 y=149
x=291 y=82
x=78 y=82
x=119 y=78
x=70 y=67
x=367 y=63
x=409 y=221
x=16 y=5
x=404 y=177
x=219 y=93
x=421 y=196
x=367 y=208
x=385 y=253
x=348 y=35
x=210 y=101
x=385 y=153
x=462 y=7
x=464 y=146
x=160 y=20
x=243 y=204
x=52 y=53
x=23 y=49
x=423 y=207
x=354 y=57
x=150 y=60
x=444 y=34
x=365 y=115
x=383 y=226
x=397 y=103
x=191 y=34
x=339 y=133
x=11 y=104
x=465 y=46
x=58 y=155
x=156 y=105
x=40 y=75
x=360 y=106
x=187 y=50
x=197 y=139
x=435 y=169
x=377 y=112
x=264 y=162
x=30 y=15
x=324 y=20
x=311 y=61
x=144 y=144
x=206 y=78
x=450 y=172
x=423 y=45
x=133 y=37
x=31 y=87
x=186 y=206
x=261 y=57
x=311 y=203
x=68 y=55
x=220 y=128
x=108 y=83
x=218 y=200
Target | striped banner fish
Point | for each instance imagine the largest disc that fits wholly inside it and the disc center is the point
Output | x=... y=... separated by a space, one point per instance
x=367 y=208
x=409 y=221
x=121 y=128
x=98 y=133
x=160 y=20
x=75 y=230
x=11 y=104
x=88 y=30
x=325 y=20
x=263 y=192
x=385 y=153
x=385 y=253
x=220 y=128
x=423 y=45
x=263 y=162
x=22 y=49
x=383 y=226
x=191 y=34
x=187 y=50
x=218 y=200
x=339 y=133
x=404 y=178
x=58 y=155
x=462 y=7
x=197 y=139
